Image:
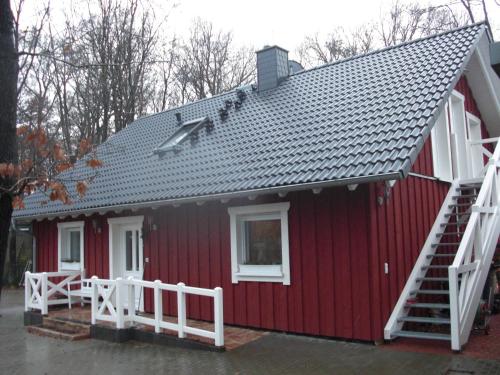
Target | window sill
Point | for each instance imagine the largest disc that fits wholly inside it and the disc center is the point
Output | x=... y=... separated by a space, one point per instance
x=70 y=266
x=259 y=273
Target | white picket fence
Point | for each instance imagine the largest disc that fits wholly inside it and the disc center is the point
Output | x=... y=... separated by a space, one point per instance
x=108 y=305
x=40 y=289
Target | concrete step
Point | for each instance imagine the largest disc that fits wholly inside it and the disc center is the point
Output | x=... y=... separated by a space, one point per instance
x=423 y=335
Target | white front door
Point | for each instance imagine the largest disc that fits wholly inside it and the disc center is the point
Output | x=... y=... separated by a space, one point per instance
x=132 y=257
x=126 y=253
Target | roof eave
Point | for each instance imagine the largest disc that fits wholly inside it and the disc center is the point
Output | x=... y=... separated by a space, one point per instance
x=219 y=196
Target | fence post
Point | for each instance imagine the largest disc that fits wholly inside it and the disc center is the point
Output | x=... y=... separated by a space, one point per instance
x=158 y=305
x=27 y=290
x=454 y=309
x=94 y=300
x=131 y=297
x=218 y=317
x=44 y=291
x=119 y=303
x=181 y=309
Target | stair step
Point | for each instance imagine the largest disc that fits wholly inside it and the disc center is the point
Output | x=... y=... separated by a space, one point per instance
x=475 y=185
x=425 y=305
x=441 y=255
x=431 y=291
x=422 y=335
x=424 y=319
x=459 y=205
x=455 y=224
x=466 y=196
x=460 y=214
x=57 y=334
x=449 y=234
x=432 y=279
x=434 y=267
x=445 y=244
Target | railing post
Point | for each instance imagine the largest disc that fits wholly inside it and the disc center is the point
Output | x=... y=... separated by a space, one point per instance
x=454 y=309
x=158 y=305
x=181 y=310
x=218 y=317
x=27 y=290
x=131 y=297
x=119 y=303
x=95 y=300
x=44 y=291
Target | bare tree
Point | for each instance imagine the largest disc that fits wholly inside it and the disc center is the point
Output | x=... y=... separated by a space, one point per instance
x=209 y=64
x=339 y=44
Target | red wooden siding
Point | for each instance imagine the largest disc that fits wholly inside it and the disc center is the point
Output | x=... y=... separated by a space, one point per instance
x=96 y=254
x=329 y=256
x=329 y=293
x=398 y=230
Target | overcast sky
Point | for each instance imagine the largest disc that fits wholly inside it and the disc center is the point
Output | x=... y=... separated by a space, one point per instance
x=286 y=23
x=267 y=22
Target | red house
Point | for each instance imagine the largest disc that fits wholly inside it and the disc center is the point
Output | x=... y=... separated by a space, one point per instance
x=355 y=200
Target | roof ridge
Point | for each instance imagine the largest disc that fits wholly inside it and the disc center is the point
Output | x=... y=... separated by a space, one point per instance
x=316 y=68
x=389 y=48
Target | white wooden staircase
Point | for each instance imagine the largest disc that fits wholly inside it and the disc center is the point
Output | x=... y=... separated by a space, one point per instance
x=442 y=294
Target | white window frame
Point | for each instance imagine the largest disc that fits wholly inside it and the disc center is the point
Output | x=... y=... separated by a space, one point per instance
x=263 y=273
x=62 y=229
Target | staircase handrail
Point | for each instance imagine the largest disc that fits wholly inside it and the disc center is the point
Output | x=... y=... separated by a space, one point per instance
x=471 y=264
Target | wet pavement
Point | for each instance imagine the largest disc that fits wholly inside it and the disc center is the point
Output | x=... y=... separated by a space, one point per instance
x=22 y=353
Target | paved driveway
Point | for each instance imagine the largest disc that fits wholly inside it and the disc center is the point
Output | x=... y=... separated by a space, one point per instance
x=22 y=353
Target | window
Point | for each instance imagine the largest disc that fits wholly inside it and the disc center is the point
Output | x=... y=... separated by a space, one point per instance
x=187 y=128
x=70 y=246
x=259 y=243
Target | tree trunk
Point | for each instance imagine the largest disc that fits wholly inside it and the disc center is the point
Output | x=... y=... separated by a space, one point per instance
x=8 y=105
x=12 y=269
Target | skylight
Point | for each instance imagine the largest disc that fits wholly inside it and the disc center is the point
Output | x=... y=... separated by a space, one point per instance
x=188 y=128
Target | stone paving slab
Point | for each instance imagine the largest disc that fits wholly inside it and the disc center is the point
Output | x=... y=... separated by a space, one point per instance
x=21 y=353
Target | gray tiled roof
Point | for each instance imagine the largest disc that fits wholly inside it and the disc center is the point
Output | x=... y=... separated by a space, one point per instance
x=362 y=117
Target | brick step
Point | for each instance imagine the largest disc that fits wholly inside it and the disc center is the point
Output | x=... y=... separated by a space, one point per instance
x=61 y=329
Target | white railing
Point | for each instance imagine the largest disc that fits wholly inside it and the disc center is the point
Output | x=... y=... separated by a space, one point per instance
x=471 y=265
x=40 y=289
x=415 y=279
x=108 y=298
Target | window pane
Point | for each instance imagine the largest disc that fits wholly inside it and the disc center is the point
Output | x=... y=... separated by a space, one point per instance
x=263 y=242
x=128 y=250
x=74 y=246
